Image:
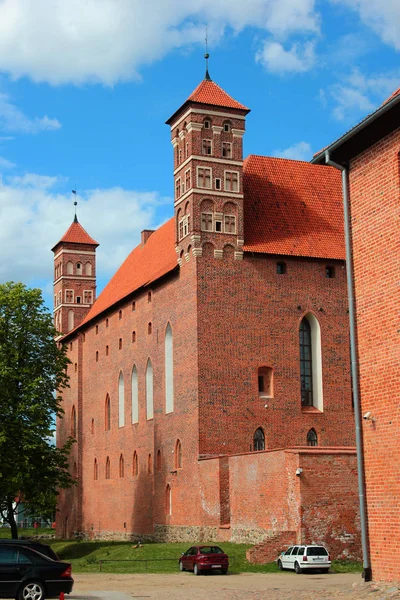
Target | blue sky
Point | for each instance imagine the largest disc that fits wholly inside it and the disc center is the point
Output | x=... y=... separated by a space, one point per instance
x=86 y=87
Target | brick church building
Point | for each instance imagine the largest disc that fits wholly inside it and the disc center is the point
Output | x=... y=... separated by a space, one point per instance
x=210 y=391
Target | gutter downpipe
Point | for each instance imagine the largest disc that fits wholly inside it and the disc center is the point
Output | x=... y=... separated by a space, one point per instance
x=367 y=572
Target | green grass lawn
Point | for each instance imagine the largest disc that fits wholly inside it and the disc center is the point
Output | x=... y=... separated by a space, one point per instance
x=85 y=556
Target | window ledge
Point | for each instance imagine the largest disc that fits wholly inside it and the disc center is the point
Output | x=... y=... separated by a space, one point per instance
x=311 y=409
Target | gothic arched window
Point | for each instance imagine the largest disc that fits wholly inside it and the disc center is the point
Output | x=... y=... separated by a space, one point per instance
x=121 y=401
x=310 y=362
x=108 y=468
x=259 y=439
x=107 y=414
x=169 y=370
x=312 y=438
x=178 y=455
x=73 y=422
x=149 y=390
x=135 y=395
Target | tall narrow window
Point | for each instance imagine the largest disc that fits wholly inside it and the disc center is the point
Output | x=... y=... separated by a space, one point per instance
x=187 y=180
x=70 y=268
x=108 y=468
x=149 y=464
x=312 y=438
x=178 y=455
x=306 y=364
x=168 y=500
x=95 y=470
x=149 y=390
x=259 y=440
x=73 y=422
x=158 y=460
x=169 y=371
x=310 y=362
x=70 y=320
x=107 y=416
x=121 y=466
x=121 y=401
x=135 y=464
x=135 y=396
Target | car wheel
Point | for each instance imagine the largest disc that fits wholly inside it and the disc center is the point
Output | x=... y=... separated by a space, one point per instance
x=297 y=568
x=31 y=591
x=280 y=567
x=196 y=570
x=181 y=566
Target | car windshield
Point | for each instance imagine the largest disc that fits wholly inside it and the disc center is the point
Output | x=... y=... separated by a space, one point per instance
x=211 y=550
x=316 y=551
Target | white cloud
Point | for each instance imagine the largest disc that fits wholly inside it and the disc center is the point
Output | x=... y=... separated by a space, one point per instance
x=6 y=164
x=383 y=16
x=298 y=59
x=357 y=95
x=299 y=151
x=59 y=41
x=12 y=119
x=34 y=217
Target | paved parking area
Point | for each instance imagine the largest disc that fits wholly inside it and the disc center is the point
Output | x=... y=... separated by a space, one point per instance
x=244 y=586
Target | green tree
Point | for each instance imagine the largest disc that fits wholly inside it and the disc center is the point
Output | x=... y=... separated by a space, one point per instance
x=33 y=370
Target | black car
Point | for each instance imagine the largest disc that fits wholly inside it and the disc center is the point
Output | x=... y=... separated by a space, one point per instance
x=25 y=574
x=38 y=546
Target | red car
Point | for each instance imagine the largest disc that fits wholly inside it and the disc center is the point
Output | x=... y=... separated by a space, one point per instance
x=204 y=558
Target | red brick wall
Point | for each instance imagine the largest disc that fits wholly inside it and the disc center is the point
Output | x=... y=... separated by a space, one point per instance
x=133 y=504
x=249 y=317
x=375 y=219
x=329 y=501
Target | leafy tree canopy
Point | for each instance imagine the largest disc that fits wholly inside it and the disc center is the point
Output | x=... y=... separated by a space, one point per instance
x=33 y=370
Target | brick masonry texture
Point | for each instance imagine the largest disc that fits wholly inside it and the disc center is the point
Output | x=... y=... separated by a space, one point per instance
x=230 y=314
x=375 y=220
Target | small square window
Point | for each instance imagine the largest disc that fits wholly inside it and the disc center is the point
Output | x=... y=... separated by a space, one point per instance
x=78 y=299
x=281 y=268
x=218 y=226
x=227 y=127
x=329 y=272
x=207 y=124
x=217 y=184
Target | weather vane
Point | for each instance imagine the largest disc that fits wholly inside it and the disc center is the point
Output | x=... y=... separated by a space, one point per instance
x=207 y=56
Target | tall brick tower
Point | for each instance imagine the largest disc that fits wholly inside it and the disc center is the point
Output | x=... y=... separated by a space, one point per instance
x=74 y=277
x=207 y=133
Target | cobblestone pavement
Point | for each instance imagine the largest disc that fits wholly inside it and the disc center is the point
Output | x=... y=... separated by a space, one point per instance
x=246 y=586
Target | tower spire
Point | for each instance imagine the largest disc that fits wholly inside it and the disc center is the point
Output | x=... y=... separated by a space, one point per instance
x=207 y=56
x=75 y=204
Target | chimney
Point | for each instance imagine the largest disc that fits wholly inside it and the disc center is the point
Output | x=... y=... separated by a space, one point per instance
x=146 y=233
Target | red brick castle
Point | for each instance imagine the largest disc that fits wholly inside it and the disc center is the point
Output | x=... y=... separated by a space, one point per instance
x=210 y=391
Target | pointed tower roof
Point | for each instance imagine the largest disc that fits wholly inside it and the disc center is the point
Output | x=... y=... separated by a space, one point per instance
x=208 y=92
x=76 y=234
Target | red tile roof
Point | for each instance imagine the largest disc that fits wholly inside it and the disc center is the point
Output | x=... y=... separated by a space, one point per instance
x=75 y=234
x=293 y=208
x=144 y=264
x=395 y=93
x=208 y=92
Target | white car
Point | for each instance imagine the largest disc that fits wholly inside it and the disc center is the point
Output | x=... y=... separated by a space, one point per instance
x=302 y=558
